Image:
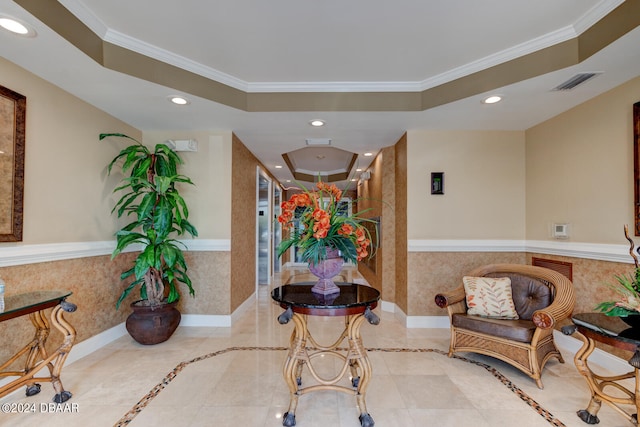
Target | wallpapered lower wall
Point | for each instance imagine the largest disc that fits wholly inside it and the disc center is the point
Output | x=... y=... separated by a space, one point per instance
x=95 y=293
x=431 y=272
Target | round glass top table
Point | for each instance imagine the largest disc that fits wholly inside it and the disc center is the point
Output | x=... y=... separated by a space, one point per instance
x=355 y=302
x=613 y=331
x=352 y=299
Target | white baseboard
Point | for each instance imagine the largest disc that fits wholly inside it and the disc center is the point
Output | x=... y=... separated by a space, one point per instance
x=243 y=308
x=211 y=320
x=88 y=346
x=388 y=306
x=434 y=322
x=571 y=345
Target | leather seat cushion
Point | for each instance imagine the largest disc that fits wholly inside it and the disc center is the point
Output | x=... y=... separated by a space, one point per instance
x=516 y=330
x=529 y=294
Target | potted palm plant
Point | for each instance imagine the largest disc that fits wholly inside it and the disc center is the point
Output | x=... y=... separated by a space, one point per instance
x=149 y=196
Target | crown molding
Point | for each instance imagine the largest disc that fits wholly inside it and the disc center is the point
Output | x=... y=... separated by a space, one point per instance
x=122 y=40
x=595 y=14
x=286 y=87
x=84 y=14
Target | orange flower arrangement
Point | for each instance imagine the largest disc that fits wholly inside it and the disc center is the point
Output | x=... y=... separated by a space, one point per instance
x=324 y=227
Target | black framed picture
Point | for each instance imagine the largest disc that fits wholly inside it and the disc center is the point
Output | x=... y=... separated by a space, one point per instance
x=437 y=182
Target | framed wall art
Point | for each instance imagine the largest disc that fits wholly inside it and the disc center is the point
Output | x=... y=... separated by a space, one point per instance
x=13 y=108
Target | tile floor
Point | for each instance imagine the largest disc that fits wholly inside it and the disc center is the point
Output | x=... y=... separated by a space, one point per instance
x=241 y=384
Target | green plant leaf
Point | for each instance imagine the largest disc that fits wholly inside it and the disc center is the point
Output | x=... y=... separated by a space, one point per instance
x=125 y=293
x=151 y=195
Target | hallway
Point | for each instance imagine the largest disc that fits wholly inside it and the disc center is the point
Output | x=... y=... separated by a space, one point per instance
x=233 y=377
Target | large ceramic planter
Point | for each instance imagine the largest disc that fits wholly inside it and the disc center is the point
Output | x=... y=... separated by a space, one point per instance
x=149 y=325
x=632 y=320
x=325 y=270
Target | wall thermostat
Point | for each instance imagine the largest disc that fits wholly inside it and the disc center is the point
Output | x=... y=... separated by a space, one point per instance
x=560 y=231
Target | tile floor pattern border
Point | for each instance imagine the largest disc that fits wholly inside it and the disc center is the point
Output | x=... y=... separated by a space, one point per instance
x=138 y=407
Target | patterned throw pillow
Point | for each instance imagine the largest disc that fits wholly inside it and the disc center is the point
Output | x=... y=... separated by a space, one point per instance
x=490 y=297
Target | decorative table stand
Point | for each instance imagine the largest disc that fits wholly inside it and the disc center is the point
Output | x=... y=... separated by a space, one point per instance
x=37 y=358
x=355 y=303
x=592 y=327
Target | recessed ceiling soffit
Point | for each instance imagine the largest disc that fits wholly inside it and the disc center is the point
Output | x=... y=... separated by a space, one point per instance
x=539 y=61
x=330 y=163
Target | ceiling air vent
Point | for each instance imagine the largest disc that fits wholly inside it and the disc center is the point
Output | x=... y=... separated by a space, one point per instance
x=576 y=80
x=318 y=141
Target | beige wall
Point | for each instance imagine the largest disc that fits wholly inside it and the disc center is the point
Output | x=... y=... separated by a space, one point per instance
x=484 y=181
x=67 y=199
x=67 y=196
x=580 y=169
x=210 y=169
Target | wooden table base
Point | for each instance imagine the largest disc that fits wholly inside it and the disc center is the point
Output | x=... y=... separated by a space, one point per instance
x=356 y=364
x=598 y=384
x=37 y=357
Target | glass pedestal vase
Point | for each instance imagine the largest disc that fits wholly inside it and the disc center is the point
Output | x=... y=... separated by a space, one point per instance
x=325 y=270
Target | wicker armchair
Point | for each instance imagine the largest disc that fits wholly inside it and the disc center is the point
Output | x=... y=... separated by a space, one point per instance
x=526 y=343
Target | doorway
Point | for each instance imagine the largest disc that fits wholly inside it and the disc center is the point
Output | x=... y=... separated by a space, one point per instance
x=263 y=229
x=277 y=234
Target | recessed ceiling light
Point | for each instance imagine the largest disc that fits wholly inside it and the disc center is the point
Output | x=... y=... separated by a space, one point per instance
x=359 y=170
x=368 y=154
x=492 y=99
x=178 y=100
x=278 y=166
x=16 y=27
x=317 y=123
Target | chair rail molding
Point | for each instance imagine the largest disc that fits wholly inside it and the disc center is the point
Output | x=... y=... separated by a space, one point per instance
x=596 y=251
x=21 y=254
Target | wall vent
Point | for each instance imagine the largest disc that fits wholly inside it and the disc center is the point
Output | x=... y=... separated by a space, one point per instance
x=574 y=81
x=318 y=141
x=564 y=268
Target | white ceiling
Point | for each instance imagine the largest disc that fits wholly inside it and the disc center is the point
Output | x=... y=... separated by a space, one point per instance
x=319 y=46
